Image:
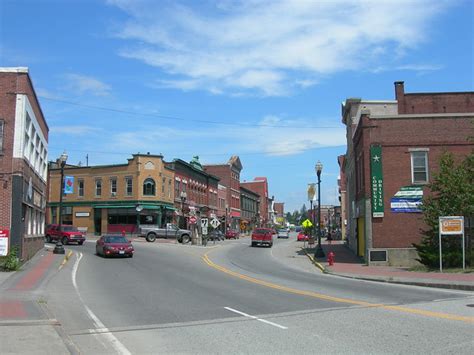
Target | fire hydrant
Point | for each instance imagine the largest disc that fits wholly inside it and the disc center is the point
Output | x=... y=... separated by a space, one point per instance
x=331 y=257
x=123 y=232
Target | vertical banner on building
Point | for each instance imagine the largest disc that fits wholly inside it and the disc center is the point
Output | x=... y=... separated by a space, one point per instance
x=68 y=185
x=4 y=241
x=376 y=177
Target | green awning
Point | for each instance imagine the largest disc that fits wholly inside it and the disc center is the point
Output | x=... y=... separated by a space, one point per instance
x=114 y=206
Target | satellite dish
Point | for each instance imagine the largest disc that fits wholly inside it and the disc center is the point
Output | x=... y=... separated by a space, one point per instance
x=139 y=208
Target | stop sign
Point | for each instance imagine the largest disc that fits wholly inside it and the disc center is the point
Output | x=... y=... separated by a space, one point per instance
x=192 y=220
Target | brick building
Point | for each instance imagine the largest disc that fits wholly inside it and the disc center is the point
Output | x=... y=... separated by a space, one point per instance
x=250 y=208
x=342 y=189
x=260 y=186
x=229 y=175
x=392 y=150
x=194 y=189
x=115 y=198
x=23 y=162
x=280 y=213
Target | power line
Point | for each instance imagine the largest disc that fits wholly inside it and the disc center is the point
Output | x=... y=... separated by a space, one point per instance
x=179 y=118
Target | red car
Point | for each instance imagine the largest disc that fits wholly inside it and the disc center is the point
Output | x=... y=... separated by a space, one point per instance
x=262 y=236
x=114 y=245
x=231 y=234
x=68 y=234
x=302 y=237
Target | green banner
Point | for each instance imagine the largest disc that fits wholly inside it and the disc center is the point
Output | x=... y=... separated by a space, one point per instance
x=376 y=177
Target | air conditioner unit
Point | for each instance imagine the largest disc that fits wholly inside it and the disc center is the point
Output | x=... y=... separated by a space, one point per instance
x=113 y=194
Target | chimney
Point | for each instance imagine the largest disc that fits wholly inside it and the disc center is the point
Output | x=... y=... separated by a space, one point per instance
x=400 y=96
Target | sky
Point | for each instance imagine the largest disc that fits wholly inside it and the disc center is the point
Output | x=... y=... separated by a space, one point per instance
x=260 y=79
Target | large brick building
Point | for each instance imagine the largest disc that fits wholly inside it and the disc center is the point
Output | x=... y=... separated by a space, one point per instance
x=229 y=175
x=23 y=162
x=393 y=148
x=115 y=198
x=260 y=186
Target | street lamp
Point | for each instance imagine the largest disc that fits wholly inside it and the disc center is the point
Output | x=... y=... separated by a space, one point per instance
x=319 y=250
x=59 y=248
x=183 y=196
x=138 y=208
x=311 y=198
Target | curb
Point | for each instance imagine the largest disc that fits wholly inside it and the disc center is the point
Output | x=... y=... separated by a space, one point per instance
x=315 y=262
x=66 y=258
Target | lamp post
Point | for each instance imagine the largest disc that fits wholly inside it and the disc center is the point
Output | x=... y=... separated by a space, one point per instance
x=59 y=248
x=183 y=196
x=138 y=208
x=311 y=198
x=319 y=250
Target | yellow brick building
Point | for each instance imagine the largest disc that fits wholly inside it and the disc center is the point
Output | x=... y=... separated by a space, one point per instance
x=114 y=198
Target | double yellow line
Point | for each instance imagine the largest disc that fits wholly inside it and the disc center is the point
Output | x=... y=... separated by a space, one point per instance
x=321 y=296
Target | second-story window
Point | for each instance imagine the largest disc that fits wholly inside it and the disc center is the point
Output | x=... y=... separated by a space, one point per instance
x=149 y=187
x=1 y=134
x=128 y=186
x=80 y=187
x=98 y=187
x=113 y=186
x=419 y=167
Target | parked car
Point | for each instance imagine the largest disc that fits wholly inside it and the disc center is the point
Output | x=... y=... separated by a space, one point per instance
x=68 y=234
x=262 y=236
x=231 y=234
x=216 y=235
x=151 y=232
x=301 y=237
x=298 y=229
x=114 y=245
x=283 y=233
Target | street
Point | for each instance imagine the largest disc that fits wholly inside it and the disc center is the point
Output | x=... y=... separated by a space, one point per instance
x=173 y=298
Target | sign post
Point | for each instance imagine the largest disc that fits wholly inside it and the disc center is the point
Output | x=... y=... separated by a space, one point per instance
x=451 y=225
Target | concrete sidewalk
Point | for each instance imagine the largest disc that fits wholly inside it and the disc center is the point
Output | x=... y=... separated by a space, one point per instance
x=347 y=264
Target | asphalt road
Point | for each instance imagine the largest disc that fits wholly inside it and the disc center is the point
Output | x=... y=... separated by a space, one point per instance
x=233 y=298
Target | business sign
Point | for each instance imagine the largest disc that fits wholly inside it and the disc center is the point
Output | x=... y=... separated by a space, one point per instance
x=83 y=214
x=68 y=185
x=4 y=241
x=376 y=178
x=451 y=225
x=407 y=200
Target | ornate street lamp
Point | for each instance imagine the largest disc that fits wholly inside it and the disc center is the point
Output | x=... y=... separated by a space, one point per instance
x=319 y=250
x=183 y=196
x=59 y=248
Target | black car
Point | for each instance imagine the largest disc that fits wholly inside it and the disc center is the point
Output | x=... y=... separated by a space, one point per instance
x=215 y=235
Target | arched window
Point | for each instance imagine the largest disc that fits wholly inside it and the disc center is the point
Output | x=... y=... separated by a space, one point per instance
x=149 y=187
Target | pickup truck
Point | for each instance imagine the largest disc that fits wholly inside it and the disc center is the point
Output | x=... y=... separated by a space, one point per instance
x=151 y=232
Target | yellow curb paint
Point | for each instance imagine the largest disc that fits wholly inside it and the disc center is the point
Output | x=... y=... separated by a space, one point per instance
x=313 y=260
x=66 y=258
x=209 y=262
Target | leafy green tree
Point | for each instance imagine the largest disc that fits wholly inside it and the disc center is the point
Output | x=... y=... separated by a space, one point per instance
x=452 y=194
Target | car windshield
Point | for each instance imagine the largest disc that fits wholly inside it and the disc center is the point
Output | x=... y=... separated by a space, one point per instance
x=69 y=229
x=117 y=239
x=262 y=231
x=282 y=230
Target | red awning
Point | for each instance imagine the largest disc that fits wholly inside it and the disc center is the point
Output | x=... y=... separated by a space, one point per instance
x=235 y=214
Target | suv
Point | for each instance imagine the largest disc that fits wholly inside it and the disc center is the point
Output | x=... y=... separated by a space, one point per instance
x=262 y=236
x=68 y=234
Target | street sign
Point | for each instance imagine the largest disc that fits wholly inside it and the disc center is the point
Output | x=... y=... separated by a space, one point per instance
x=449 y=225
x=204 y=222
x=307 y=223
x=4 y=241
x=215 y=223
x=192 y=220
x=204 y=230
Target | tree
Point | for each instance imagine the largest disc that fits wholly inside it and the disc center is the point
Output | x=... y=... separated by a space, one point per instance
x=452 y=194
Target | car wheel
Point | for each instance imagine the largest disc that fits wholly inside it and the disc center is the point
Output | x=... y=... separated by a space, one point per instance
x=151 y=237
x=80 y=243
x=253 y=244
x=65 y=241
x=131 y=255
x=185 y=238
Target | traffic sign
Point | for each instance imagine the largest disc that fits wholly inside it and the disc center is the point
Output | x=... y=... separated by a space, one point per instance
x=204 y=222
x=192 y=220
x=215 y=223
x=204 y=230
x=307 y=223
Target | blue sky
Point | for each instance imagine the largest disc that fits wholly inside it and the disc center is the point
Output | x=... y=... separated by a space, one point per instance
x=260 y=79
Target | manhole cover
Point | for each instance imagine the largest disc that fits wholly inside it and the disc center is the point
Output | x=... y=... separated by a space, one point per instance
x=470 y=305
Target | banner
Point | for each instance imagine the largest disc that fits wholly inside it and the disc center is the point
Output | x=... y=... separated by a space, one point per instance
x=407 y=200
x=376 y=178
x=68 y=185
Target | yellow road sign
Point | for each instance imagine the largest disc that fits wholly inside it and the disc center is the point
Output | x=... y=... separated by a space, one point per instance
x=307 y=223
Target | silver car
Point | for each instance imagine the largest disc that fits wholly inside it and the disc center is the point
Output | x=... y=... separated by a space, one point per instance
x=283 y=233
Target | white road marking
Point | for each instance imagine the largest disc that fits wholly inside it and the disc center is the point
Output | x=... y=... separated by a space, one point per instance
x=256 y=318
x=104 y=331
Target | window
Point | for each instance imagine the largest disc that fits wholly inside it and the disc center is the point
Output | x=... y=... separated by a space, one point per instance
x=98 y=187
x=128 y=186
x=1 y=134
x=163 y=185
x=113 y=186
x=149 y=187
x=176 y=188
x=419 y=167
x=80 y=187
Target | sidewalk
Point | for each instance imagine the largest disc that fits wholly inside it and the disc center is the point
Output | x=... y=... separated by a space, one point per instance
x=347 y=264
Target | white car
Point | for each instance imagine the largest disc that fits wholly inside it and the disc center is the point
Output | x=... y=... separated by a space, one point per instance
x=283 y=233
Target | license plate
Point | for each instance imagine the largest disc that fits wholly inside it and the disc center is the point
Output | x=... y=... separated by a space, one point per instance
x=121 y=252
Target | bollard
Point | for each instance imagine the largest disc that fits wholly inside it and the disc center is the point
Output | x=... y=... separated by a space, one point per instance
x=331 y=258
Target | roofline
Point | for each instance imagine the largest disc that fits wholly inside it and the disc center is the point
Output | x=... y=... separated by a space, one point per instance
x=177 y=160
x=14 y=70
x=424 y=115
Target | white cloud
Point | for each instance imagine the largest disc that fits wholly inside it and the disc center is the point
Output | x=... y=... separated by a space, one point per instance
x=270 y=47
x=73 y=130
x=85 y=84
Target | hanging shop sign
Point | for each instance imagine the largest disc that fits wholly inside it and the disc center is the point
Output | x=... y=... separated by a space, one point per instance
x=376 y=178
x=68 y=185
x=407 y=200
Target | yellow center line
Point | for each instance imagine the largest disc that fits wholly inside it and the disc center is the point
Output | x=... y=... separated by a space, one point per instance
x=209 y=262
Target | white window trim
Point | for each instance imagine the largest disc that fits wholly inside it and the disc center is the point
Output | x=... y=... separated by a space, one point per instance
x=415 y=150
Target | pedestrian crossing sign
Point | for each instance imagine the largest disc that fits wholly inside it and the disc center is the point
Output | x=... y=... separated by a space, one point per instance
x=307 y=223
